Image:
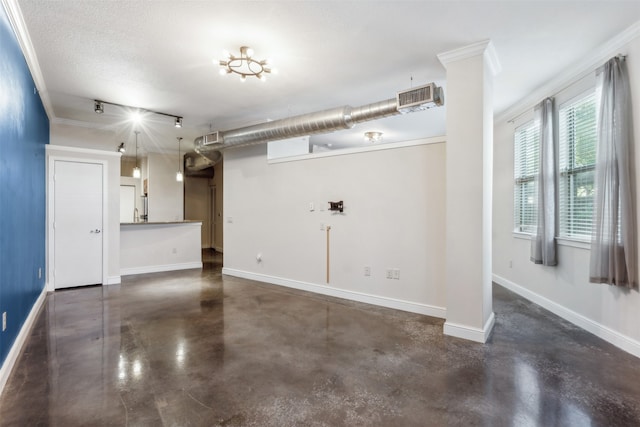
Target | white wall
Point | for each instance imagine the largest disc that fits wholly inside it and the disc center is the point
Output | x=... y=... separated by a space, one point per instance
x=607 y=311
x=166 y=195
x=393 y=218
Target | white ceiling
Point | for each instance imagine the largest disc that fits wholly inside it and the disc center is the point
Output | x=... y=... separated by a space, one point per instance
x=158 y=55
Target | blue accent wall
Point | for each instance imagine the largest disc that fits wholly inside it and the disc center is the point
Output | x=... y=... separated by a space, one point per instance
x=24 y=132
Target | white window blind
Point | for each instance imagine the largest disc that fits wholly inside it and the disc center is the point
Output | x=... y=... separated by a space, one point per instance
x=577 y=157
x=526 y=159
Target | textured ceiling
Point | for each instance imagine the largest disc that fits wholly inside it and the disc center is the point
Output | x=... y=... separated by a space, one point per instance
x=158 y=55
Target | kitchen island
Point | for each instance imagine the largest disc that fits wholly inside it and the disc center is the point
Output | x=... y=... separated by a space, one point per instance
x=149 y=247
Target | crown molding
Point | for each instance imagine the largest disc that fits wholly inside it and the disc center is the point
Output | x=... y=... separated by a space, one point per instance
x=14 y=13
x=577 y=71
x=484 y=47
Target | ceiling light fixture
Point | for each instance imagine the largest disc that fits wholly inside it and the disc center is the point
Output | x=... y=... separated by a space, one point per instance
x=136 y=114
x=136 y=169
x=245 y=65
x=373 y=136
x=121 y=148
x=179 y=176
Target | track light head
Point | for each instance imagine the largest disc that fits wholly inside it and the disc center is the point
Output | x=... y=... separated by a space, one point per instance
x=121 y=148
x=178 y=122
x=98 y=107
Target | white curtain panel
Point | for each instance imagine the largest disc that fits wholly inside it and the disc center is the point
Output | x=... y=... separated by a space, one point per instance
x=614 y=236
x=543 y=242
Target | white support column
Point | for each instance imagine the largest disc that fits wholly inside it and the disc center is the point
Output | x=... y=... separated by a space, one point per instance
x=469 y=103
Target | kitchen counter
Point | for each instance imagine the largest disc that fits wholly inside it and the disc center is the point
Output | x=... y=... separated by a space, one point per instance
x=149 y=247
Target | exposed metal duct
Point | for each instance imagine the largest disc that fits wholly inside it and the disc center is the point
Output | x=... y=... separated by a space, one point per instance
x=324 y=121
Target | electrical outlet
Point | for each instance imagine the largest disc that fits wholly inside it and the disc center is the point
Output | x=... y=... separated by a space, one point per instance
x=367 y=270
x=396 y=273
x=4 y=321
x=322 y=226
x=40 y=273
x=510 y=264
x=389 y=273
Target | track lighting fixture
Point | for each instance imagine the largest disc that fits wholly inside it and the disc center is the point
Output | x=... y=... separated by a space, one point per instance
x=136 y=114
x=121 y=148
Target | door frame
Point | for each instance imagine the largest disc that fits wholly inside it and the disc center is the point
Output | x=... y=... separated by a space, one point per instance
x=50 y=237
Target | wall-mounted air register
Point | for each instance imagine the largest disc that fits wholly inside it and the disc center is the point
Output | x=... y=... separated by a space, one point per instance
x=336 y=206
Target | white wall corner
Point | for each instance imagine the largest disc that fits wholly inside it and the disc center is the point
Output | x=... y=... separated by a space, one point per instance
x=21 y=339
x=616 y=338
x=484 y=47
x=578 y=70
x=470 y=333
x=396 y=304
x=113 y=280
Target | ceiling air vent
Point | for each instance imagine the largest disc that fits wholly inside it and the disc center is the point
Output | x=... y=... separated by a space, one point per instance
x=211 y=138
x=419 y=98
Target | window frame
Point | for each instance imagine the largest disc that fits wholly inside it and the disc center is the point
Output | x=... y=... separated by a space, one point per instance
x=521 y=179
x=568 y=223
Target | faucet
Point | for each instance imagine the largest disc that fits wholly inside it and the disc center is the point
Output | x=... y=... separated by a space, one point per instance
x=136 y=216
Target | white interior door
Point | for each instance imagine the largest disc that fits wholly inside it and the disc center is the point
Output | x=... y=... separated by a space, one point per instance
x=77 y=224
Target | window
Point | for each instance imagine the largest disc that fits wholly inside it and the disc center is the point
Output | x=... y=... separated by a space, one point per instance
x=526 y=153
x=577 y=158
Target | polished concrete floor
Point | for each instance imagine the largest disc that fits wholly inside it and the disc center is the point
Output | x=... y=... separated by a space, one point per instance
x=194 y=348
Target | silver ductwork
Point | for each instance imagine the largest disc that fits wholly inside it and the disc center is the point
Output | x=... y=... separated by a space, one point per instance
x=325 y=121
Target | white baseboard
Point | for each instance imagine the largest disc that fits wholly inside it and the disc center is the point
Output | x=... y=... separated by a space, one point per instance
x=16 y=348
x=160 y=268
x=396 y=304
x=470 y=333
x=621 y=341
x=113 y=280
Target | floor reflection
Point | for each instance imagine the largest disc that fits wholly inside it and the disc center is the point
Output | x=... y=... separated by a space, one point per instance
x=197 y=348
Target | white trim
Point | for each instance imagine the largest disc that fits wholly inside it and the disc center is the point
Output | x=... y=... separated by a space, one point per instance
x=484 y=47
x=113 y=280
x=579 y=70
x=356 y=150
x=160 y=268
x=522 y=235
x=14 y=13
x=412 y=307
x=468 y=332
x=562 y=241
x=621 y=341
x=102 y=153
x=218 y=249
x=18 y=344
x=574 y=243
x=50 y=242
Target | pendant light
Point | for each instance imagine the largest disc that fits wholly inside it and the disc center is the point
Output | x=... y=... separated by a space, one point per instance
x=136 y=169
x=179 y=176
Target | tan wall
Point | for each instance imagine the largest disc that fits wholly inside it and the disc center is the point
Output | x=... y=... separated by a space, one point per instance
x=198 y=206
